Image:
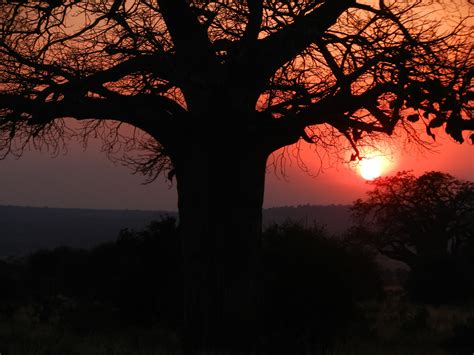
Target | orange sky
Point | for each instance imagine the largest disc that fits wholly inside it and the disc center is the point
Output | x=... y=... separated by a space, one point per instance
x=88 y=180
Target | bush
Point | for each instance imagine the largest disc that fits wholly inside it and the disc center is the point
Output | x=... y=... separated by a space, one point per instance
x=313 y=283
x=12 y=287
x=139 y=275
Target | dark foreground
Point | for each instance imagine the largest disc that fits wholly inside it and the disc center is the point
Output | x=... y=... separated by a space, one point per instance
x=392 y=326
x=321 y=296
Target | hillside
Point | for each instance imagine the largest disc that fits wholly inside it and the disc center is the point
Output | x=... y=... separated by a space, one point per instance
x=26 y=229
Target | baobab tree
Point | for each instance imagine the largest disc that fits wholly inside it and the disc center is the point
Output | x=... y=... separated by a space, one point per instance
x=412 y=219
x=216 y=87
x=426 y=222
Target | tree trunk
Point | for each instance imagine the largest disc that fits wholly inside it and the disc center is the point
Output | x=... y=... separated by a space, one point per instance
x=220 y=196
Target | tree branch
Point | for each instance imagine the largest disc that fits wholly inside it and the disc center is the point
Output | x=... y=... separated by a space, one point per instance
x=151 y=114
x=254 y=20
x=189 y=37
x=341 y=103
x=160 y=65
x=284 y=45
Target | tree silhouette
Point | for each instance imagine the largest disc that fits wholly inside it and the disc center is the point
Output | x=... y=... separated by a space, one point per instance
x=217 y=86
x=426 y=222
x=413 y=218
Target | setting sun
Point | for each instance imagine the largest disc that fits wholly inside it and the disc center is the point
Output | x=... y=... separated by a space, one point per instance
x=371 y=168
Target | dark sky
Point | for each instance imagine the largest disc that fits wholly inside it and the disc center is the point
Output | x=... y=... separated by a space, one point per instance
x=88 y=180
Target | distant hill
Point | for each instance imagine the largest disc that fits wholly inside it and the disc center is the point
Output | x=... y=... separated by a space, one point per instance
x=26 y=229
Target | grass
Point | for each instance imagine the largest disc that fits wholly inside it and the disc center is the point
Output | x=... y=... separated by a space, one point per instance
x=394 y=327
x=48 y=340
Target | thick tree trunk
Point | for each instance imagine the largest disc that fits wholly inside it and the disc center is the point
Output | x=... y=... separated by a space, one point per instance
x=220 y=191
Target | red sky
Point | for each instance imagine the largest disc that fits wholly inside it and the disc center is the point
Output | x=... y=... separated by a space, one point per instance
x=88 y=180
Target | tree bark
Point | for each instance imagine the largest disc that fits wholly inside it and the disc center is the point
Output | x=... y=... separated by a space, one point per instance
x=220 y=197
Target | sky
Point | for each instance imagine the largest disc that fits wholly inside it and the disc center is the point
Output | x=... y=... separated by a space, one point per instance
x=87 y=179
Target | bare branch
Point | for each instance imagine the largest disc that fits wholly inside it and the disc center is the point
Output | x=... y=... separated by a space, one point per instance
x=284 y=45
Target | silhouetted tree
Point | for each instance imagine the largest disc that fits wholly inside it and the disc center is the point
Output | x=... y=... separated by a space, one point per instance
x=218 y=86
x=409 y=217
x=426 y=222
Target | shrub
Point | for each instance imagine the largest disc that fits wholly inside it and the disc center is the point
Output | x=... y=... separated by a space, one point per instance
x=139 y=275
x=313 y=283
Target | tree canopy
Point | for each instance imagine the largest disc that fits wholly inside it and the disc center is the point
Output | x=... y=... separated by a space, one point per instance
x=410 y=218
x=285 y=69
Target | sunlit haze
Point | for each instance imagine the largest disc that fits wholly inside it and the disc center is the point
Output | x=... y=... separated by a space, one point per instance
x=87 y=179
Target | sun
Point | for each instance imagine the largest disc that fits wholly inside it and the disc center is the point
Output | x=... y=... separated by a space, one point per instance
x=373 y=163
x=371 y=168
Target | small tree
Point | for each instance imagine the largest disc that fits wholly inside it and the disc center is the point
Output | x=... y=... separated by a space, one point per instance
x=218 y=86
